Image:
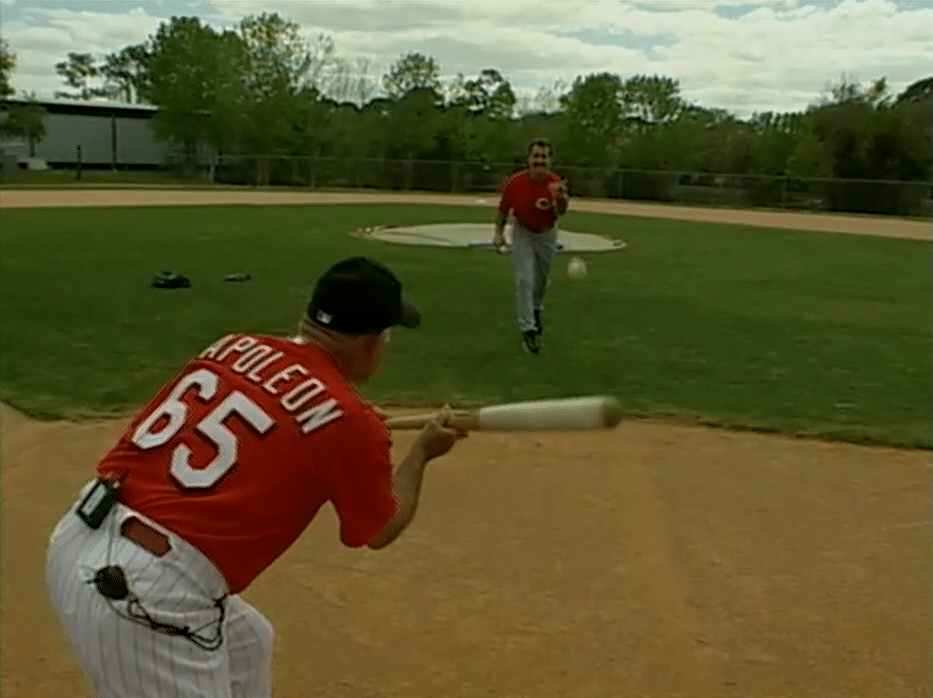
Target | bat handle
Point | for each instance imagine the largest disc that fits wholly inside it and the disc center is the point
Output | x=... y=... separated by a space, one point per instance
x=458 y=420
x=411 y=421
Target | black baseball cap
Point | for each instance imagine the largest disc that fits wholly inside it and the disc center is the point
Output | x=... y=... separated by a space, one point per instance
x=358 y=296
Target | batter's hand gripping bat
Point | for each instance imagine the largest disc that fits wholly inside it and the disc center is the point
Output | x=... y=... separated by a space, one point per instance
x=562 y=414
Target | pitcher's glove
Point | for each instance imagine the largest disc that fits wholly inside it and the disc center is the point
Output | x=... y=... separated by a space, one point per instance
x=560 y=197
x=169 y=279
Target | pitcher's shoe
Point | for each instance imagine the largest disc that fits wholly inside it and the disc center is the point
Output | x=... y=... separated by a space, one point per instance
x=530 y=342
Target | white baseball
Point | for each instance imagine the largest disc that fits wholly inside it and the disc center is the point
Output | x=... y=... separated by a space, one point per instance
x=576 y=268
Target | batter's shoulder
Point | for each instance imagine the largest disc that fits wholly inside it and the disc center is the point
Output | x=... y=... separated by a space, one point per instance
x=365 y=423
x=363 y=412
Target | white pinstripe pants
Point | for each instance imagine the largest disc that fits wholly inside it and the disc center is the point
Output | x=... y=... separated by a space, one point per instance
x=122 y=659
x=532 y=255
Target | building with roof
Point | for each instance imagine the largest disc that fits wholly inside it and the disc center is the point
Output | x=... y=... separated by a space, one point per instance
x=103 y=134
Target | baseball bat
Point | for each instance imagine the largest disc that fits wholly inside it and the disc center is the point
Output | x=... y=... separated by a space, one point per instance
x=561 y=414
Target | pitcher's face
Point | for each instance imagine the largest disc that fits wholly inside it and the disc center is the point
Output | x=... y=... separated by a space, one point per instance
x=539 y=159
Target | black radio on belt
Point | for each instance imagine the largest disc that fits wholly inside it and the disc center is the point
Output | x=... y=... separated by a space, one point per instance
x=97 y=503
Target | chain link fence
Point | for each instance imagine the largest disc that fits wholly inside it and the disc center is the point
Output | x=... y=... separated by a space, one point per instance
x=901 y=198
x=726 y=190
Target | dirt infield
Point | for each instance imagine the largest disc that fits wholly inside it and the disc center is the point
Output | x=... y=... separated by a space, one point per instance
x=823 y=222
x=651 y=561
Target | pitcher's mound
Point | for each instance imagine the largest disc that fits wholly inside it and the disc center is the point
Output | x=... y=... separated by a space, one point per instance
x=478 y=235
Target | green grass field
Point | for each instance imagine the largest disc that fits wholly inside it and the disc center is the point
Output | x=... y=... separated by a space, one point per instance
x=804 y=333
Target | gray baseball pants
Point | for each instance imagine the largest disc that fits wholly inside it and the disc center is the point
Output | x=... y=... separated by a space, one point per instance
x=532 y=254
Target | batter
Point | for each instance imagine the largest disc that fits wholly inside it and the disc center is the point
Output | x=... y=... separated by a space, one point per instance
x=216 y=477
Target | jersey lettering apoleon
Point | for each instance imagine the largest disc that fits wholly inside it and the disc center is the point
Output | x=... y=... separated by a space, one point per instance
x=242 y=449
x=530 y=200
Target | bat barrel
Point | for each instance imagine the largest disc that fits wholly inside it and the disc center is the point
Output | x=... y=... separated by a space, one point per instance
x=563 y=414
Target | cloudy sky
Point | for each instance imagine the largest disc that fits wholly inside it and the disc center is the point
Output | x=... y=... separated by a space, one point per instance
x=756 y=55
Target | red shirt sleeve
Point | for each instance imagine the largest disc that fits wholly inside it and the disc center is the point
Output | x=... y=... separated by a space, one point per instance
x=361 y=480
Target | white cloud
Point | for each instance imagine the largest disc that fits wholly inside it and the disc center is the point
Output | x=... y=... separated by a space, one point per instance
x=741 y=55
x=44 y=37
x=778 y=55
x=41 y=40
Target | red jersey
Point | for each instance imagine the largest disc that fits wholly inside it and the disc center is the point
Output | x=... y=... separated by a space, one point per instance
x=239 y=452
x=530 y=200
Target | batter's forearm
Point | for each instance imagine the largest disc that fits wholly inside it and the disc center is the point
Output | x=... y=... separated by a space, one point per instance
x=407 y=485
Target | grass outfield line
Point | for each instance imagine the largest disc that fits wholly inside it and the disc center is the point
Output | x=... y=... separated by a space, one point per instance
x=793 y=332
x=102 y=179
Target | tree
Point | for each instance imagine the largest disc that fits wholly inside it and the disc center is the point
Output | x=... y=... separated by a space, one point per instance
x=322 y=61
x=774 y=138
x=480 y=138
x=847 y=91
x=78 y=71
x=454 y=93
x=278 y=64
x=489 y=94
x=278 y=59
x=868 y=135
x=651 y=99
x=543 y=125
x=195 y=76
x=918 y=92
x=547 y=99
x=475 y=124
x=413 y=121
x=125 y=73
x=7 y=65
x=26 y=121
x=349 y=81
x=698 y=141
x=810 y=158
x=593 y=112
x=412 y=71
x=650 y=108
x=229 y=114
x=862 y=134
x=353 y=133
